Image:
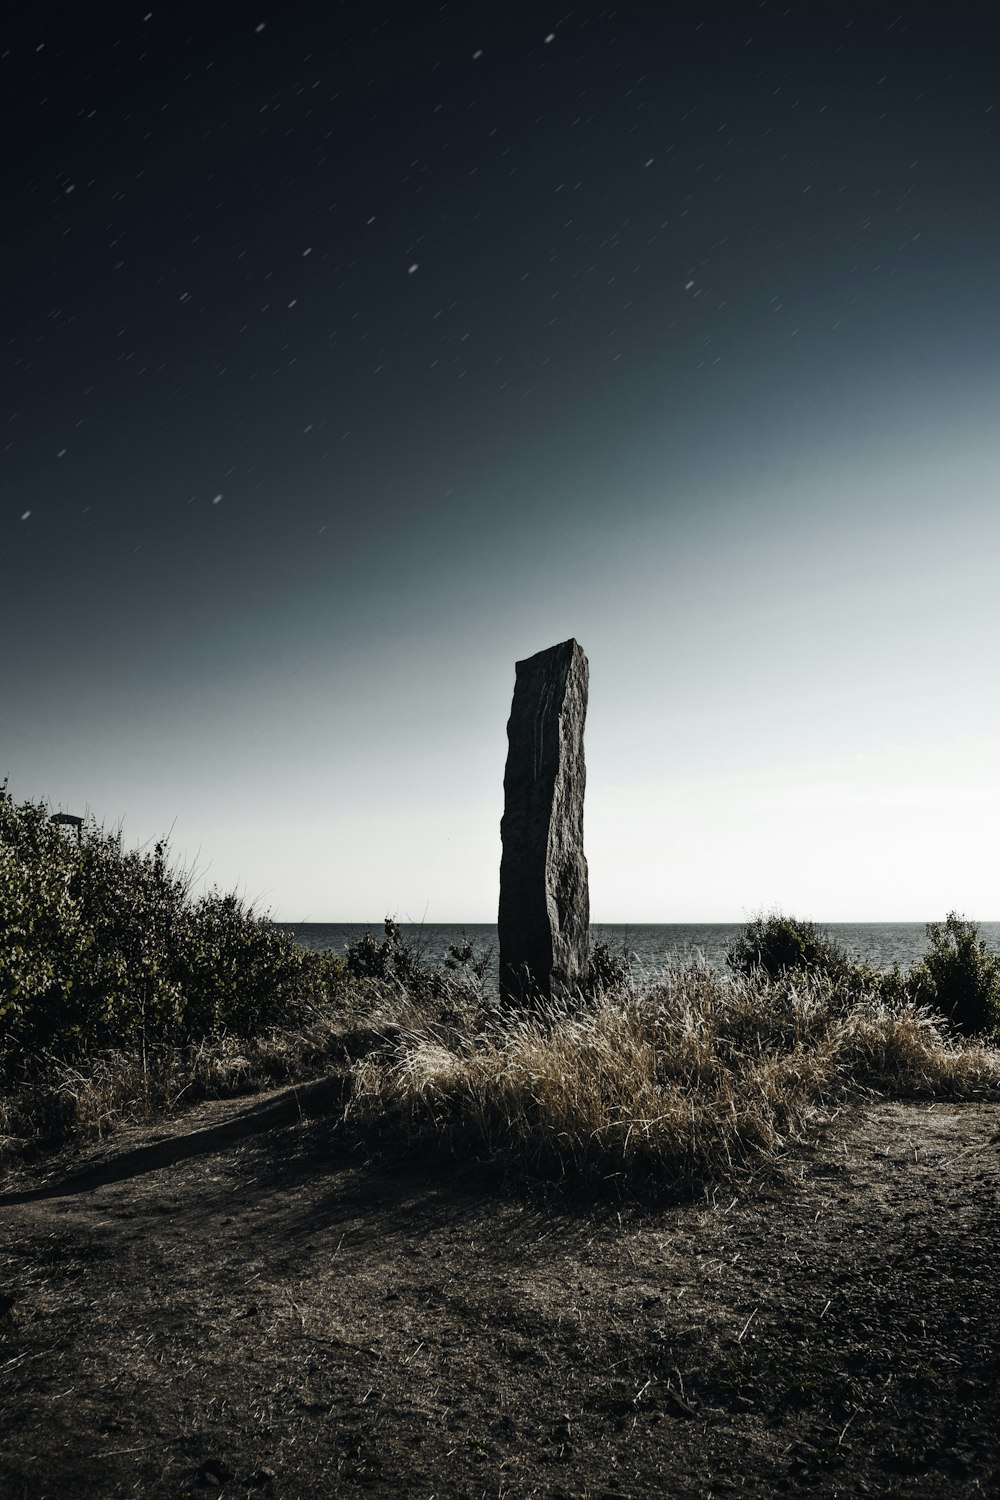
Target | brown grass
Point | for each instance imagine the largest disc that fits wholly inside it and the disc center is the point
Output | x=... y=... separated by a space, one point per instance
x=662 y=1090
x=89 y=1098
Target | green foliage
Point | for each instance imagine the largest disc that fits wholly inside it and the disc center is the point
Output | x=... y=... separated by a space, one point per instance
x=104 y=946
x=959 y=975
x=607 y=973
x=455 y=994
x=776 y=943
x=391 y=960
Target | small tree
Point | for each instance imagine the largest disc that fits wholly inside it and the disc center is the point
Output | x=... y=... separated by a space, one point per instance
x=959 y=975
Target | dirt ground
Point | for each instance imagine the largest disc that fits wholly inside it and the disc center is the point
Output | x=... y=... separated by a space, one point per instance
x=237 y=1301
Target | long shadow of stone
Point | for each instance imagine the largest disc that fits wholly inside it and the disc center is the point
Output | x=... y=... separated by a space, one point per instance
x=286 y=1109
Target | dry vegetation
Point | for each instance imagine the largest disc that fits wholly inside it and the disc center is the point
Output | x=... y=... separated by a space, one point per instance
x=663 y=1090
x=122 y=997
x=638 y=1092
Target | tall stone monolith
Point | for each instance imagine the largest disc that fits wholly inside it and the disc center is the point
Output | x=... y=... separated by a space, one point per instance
x=544 y=900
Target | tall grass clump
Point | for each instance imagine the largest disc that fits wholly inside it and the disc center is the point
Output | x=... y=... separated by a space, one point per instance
x=663 y=1089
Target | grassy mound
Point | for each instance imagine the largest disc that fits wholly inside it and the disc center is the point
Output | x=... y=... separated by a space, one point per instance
x=665 y=1090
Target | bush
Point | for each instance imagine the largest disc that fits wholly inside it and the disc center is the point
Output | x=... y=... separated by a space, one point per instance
x=391 y=961
x=607 y=973
x=101 y=946
x=777 y=943
x=959 y=975
x=395 y=970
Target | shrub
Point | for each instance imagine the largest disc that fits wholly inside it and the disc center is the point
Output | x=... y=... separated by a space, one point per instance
x=959 y=975
x=236 y=972
x=396 y=965
x=777 y=943
x=466 y=960
x=607 y=973
x=390 y=961
x=101 y=946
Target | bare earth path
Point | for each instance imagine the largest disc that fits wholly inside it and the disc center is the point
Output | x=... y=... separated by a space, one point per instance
x=234 y=1302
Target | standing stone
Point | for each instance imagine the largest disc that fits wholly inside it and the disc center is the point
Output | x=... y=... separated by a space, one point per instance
x=544 y=900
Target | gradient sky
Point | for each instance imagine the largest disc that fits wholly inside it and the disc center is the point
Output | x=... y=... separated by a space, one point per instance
x=353 y=352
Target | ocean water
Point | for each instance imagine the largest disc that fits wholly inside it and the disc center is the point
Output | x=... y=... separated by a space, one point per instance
x=646 y=946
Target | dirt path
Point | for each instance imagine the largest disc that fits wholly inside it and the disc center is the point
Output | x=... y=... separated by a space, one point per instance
x=236 y=1303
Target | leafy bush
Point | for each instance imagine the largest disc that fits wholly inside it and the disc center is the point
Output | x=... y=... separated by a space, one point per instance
x=466 y=960
x=395 y=961
x=959 y=975
x=390 y=961
x=777 y=943
x=103 y=946
x=607 y=973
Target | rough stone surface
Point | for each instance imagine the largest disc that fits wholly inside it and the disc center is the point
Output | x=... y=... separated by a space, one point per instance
x=544 y=914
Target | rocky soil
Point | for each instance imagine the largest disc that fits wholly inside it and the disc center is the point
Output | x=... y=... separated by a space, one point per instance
x=238 y=1302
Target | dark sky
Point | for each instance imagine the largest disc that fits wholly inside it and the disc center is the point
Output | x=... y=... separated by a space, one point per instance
x=353 y=351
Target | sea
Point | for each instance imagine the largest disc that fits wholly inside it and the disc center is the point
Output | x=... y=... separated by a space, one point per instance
x=648 y=947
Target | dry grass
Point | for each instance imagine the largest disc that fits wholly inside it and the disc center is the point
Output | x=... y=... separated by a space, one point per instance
x=907 y=1050
x=91 y=1097
x=662 y=1090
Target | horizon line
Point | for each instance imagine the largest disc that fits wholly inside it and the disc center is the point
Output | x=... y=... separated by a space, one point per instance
x=632 y=922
